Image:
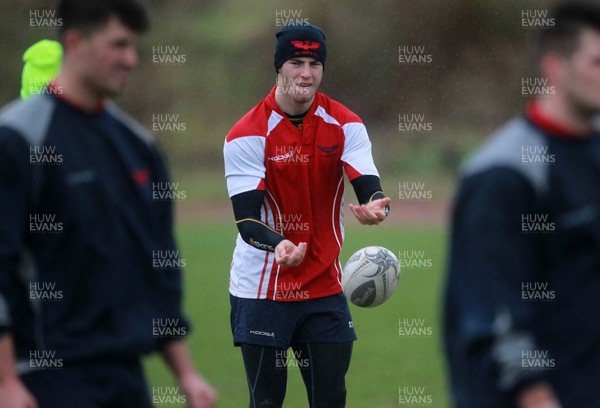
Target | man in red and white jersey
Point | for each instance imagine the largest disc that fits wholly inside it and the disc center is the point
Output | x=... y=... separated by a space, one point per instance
x=285 y=162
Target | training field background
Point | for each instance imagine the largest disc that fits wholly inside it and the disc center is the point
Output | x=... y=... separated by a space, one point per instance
x=383 y=360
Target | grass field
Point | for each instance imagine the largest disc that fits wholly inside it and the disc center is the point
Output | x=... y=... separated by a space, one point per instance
x=387 y=360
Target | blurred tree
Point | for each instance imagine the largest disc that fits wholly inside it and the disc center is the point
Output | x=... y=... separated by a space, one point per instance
x=478 y=52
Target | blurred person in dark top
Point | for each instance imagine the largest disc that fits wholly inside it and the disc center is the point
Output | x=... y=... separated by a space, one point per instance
x=522 y=296
x=80 y=298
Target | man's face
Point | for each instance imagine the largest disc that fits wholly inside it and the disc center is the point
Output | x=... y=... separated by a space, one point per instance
x=299 y=78
x=581 y=74
x=105 y=57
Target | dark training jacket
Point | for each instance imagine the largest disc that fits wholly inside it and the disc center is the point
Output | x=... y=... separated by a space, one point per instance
x=88 y=261
x=522 y=300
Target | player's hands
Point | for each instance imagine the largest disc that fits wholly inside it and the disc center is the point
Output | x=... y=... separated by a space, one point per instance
x=198 y=392
x=538 y=396
x=371 y=213
x=13 y=394
x=288 y=254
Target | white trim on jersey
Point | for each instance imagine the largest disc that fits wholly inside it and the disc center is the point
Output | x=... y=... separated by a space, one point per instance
x=265 y=274
x=357 y=149
x=341 y=224
x=333 y=208
x=338 y=267
x=279 y=217
x=244 y=163
x=274 y=120
x=326 y=116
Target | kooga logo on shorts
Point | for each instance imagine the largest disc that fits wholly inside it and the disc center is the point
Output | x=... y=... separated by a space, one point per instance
x=262 y=333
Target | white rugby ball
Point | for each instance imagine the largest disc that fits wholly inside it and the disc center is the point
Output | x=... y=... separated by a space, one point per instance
x=370 y=276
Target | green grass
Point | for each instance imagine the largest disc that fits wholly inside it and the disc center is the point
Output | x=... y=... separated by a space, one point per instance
x=382 y=360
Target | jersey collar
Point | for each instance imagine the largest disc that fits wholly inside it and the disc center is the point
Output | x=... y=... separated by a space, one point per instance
x=55 y=90
x=550 y=125
x=272 y=104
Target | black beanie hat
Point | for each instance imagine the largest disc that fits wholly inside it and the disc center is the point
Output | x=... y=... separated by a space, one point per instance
x=294 y=40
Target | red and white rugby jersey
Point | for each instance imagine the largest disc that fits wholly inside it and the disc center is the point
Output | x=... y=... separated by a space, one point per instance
x=302 y=173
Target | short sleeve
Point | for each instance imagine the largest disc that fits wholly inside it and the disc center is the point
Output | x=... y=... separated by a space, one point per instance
x=244 y=163
x=357 y=156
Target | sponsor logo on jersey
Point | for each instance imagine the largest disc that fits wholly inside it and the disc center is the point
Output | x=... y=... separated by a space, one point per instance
x=328 y=150
x=290 y=155
x=282 y=157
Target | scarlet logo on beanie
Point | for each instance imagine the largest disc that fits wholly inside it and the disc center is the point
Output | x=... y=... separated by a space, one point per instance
x=307 y=45
x=300 y=41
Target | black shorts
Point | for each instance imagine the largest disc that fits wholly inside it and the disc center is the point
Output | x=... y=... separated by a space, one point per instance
x=282 y=324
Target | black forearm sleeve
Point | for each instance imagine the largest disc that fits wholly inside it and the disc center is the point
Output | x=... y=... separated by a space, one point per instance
x=246 y=209
x=367 y=188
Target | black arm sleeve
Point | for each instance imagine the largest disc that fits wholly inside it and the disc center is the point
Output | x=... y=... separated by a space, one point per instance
x=368 y=188
x=246 y=209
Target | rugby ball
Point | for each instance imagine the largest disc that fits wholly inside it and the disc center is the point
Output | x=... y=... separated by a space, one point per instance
x=370 y=276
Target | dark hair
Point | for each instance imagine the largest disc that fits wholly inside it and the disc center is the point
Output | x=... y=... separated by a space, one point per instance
x=569 y=19
x=88 y=15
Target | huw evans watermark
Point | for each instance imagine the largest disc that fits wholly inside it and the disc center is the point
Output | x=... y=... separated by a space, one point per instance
x=168 y=328
x=537 y=19
x=291 y=18
x=414 y=55
x=168 y=396
x=414 y=259
x=290 y=359
x=537 y=291
x=414 y=396
x=413 y=123
x=411 y=327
